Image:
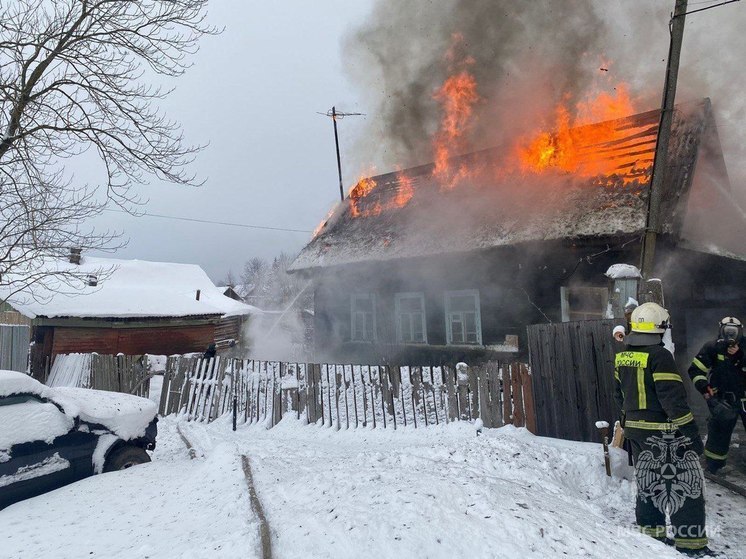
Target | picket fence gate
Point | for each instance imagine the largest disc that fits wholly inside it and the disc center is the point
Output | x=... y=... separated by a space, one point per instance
x=116 y=373
x=341 y=395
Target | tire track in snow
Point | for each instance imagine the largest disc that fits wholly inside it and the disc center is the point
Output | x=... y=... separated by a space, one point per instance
x=264 y=533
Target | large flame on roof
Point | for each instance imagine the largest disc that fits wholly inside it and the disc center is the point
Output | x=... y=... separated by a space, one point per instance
x=586 y=140
x=457 y=97
x=584 y=146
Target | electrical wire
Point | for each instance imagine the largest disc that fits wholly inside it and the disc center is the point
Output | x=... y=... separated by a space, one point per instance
x=708 y=7
x=211 y=222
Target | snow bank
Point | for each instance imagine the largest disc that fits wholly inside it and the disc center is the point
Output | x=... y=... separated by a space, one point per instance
x=175 y=508
x=440 y=492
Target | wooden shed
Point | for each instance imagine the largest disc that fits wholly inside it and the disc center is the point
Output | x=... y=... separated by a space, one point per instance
x=112 y=306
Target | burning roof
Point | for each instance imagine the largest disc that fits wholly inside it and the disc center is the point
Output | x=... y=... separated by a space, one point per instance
x=576 y=182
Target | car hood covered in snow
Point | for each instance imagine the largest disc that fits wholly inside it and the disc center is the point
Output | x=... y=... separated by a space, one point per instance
x=125 y=415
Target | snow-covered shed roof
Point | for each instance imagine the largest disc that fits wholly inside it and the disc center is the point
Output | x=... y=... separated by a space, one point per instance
x=124 y=289
x=491 y=208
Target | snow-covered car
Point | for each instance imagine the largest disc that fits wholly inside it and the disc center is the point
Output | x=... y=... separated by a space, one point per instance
x=50 y=437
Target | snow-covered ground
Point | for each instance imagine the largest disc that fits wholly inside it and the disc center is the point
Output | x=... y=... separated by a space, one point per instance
x=436 y=492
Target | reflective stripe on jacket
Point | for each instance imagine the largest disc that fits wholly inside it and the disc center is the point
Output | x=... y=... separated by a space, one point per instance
x=649 y=389
x=713 y=366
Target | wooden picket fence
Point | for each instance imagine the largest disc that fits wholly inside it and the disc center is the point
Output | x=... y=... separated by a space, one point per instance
x=115 y=373
x=338 y=395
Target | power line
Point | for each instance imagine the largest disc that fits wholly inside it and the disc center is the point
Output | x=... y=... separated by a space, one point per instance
x=709 y=7
x=211 y=222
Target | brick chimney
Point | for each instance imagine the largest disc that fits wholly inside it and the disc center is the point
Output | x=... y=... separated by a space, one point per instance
x=75 y=255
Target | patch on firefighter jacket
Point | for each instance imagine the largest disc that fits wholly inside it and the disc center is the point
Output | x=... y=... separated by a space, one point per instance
x=668 y=473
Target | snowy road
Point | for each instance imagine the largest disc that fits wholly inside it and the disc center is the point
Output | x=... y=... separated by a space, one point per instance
x=438 y=492
x=446 y=493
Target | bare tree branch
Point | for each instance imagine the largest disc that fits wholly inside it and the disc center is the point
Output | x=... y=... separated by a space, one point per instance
x=74 y=79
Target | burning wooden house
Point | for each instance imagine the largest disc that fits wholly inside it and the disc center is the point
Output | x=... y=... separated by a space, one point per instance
x=452 y=260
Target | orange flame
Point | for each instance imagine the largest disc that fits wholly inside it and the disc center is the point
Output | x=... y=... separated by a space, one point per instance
x=588 y=151
x=360 y=207
x=405 y=192
x=457 y=97
x=361 y=190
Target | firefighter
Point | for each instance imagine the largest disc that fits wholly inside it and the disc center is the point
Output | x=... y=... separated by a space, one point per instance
x=719 y=373
x=660 y=428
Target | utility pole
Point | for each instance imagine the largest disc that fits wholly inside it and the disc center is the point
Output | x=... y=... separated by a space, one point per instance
x=652 y=226
x=338 y=116
x=339 y=159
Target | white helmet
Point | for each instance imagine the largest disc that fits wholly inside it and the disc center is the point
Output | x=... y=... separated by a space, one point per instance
x=650 y=318
x=730 y=328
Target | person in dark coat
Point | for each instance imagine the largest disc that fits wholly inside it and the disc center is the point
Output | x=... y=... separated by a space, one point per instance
x=719 y=373
x=210 y=352
x=663 y=435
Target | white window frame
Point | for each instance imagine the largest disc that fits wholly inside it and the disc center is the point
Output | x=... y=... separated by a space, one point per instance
x=448 y=313
x=398 y=312
x=363 y=297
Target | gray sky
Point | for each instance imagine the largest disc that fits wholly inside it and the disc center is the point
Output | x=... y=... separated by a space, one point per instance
x=254 y=92
x=253 y=95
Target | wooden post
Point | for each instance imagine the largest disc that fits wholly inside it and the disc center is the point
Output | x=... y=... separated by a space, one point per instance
x=413 y=395
x=347 y=407
x=381 y=392
x=336 y=395
x=214 y=412
x=528 y=398
x=463 y=393
x=423 y=395
x=165 y=391
x=495 y=401
x=435 y=398
x=383 y=375
x=402 y=403
x=484 y=407
x=365 y=396
x=473 y=393
x=329 y=394
x=451 y=397
x=278 y=396
x=518 y=417
x=507 y=400
x=354 y=392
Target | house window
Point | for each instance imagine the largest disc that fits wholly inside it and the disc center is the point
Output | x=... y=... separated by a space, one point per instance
x=583 y=303
x=363 y=319
x=463 y=322
x=410 y=318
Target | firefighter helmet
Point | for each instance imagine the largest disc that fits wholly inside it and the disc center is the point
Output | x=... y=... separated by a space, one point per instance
x=650 y=318
x=730 y=328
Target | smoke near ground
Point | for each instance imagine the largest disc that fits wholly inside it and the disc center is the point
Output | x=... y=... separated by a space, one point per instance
x=528 y=56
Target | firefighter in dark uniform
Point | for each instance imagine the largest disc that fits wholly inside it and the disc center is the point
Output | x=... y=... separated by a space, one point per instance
x=660 y=428
x=719 y=373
